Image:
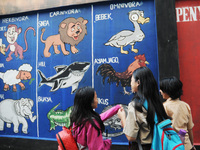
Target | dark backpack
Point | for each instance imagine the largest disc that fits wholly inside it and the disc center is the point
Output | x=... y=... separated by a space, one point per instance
x=164 y=136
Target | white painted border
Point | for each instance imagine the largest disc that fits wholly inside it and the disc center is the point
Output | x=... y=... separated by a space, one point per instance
x=36 y=76
x=92 y=46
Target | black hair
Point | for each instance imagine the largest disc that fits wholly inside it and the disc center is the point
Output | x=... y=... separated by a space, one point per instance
x=172 y=86
x=148 y=90
x=82 y=110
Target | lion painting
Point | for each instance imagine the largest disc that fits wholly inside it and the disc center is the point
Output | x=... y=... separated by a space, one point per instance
x=71 y=31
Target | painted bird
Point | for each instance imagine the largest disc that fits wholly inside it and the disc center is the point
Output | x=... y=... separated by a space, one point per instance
x=129 y=37
x=106 y=70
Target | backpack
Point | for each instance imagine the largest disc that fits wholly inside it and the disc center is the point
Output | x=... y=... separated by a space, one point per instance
x=66 y=140
x=164 y=136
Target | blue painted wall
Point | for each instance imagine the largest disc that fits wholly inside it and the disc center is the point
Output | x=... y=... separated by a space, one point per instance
x=104 y=20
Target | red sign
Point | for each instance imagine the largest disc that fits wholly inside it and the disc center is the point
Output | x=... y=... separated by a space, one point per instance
x=188 y=23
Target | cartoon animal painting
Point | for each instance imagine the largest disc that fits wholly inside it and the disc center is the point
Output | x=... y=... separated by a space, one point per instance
x=2 y=47
x=71 y=31
x=15 y=111
x=13 y=77
x=11 y=36
x=106 y=70
x=59 y=117
x=128 y=37
x=66 y=76
x=114 y=122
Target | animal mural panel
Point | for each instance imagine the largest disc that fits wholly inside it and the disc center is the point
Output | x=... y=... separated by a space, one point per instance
x=59 y=117
x=12 y=77
x=11 y=36
x=16 y=112
x=64 y=63
x=18 y=38
x=67 y=76
x=106 y=70
x=71 y=31
x=126 y=30
x=47 y=55
x=114 y=123
x=129 y=37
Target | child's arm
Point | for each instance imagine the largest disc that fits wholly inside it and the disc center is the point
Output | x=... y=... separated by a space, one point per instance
x=110 y=112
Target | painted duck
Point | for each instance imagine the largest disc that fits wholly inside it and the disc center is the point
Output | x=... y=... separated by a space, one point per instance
x=128 y=37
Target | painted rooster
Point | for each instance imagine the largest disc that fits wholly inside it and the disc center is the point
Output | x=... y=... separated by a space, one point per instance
x=106 y=70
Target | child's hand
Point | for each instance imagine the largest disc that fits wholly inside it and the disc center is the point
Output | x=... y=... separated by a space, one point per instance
x=121 y=113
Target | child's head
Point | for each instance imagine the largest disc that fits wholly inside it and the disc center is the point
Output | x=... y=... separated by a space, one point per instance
x=147 y=89
x=143 y=82
x=172 y=87
x=86 y=98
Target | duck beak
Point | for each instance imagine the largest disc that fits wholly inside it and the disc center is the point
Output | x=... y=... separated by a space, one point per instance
x=143 y=20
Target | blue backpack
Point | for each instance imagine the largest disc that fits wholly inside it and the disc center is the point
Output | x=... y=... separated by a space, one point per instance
x=164 y=136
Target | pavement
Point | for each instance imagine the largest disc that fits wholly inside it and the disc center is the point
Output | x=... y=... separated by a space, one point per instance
x=33 y=144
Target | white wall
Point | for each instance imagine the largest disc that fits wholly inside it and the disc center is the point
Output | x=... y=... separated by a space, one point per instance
x=18 y=6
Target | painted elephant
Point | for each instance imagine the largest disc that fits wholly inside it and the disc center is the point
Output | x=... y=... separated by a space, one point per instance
x=15 y=111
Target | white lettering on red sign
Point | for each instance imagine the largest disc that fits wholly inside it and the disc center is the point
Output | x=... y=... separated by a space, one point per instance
x=187 y=14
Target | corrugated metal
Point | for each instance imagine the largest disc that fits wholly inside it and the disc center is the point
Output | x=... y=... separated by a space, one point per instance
x=18 y=6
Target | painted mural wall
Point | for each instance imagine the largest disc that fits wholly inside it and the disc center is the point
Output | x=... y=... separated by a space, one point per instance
x=47 y=55
x=188 y=22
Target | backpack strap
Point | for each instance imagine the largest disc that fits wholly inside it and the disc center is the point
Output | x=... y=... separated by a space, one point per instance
x=139 y=144
x=165 y=123
x=61 y=141
x=145 y=104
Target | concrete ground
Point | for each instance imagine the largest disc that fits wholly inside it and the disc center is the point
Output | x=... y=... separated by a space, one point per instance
x=30 y=144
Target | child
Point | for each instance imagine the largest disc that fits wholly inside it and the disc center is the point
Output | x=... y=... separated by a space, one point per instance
x=179 y=111
x=88 y=124
x=139 y=122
